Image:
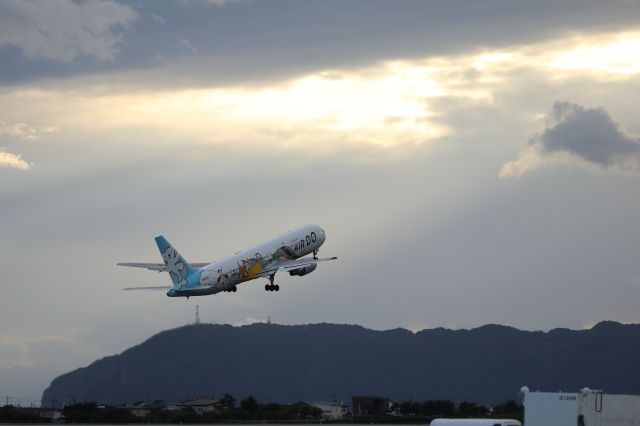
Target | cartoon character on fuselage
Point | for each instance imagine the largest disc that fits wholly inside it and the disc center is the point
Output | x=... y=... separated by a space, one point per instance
x=283 y=253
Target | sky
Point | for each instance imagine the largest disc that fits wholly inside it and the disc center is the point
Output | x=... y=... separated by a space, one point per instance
x=471 y=163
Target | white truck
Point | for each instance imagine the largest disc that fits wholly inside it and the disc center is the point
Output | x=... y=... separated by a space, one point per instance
x=474 y=422
x=585 y=408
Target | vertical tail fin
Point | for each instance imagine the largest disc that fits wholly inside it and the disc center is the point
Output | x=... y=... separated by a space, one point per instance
x=176 y=265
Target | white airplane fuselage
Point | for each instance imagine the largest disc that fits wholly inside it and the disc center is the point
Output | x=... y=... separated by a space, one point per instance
x=251 y=263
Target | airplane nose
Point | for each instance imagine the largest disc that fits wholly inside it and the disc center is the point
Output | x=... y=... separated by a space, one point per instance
x=171 y=293
x=321 y=235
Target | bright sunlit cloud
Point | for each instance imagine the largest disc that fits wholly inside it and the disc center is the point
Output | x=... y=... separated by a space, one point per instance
x=616 y=54
x=385 y=105
x=24 y=131
x=13 y=161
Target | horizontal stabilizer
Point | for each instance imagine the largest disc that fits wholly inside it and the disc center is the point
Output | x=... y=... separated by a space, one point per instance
x=151 y=266
x=166 y=287
x=160 y=267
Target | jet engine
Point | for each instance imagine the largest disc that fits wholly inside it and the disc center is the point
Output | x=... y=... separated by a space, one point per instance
x=304 y=270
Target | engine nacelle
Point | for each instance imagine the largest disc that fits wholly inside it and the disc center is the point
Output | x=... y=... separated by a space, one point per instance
x=304 y=270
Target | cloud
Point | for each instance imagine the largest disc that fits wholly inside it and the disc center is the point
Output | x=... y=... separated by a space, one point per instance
x=249 y=321
x=382 y=106
x=218 y=3
x=63 y=30
x=13 y=161
x=221 y=3
x=17 y=351
x=576 y=134
x=159 y=19
x=23 y=130
x=617 y=54
x=281 y=34
x=189 y=46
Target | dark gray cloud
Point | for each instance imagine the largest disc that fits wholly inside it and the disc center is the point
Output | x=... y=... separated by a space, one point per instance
x=587 y=134
x=259 y=39
x=62 y=30
x=590 y=134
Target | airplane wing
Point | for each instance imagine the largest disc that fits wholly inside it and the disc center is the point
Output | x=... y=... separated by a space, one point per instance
x=290 y=264
x=160 y=267
x=167 y=287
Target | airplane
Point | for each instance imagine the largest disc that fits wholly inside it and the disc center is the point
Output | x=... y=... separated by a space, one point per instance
x=284 y=253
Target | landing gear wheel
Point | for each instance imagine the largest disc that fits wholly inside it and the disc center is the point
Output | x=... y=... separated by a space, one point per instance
x=315 y=254
x=266 y=287
x=234 y=289
x=276 y=287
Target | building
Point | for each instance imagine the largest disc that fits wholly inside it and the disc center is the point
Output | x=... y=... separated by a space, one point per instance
x=330 y=410
x=585 y=408
x=369 y=405
x=202 y=406
x=48 y=413
x=143 y=408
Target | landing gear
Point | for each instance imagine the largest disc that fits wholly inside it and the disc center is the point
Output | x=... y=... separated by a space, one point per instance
x=315 y=254
x=271 y=286
x=232 y=289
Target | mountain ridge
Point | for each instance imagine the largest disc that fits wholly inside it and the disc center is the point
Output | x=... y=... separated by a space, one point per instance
x=287 y=363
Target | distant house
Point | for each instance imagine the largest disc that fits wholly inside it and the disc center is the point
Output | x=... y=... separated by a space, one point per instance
x=48 y=413
x=330 y=410
x=202 y=406
x=143 y=408
x=369 y=405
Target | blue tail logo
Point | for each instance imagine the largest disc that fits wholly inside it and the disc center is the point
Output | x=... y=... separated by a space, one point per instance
x=178 y=268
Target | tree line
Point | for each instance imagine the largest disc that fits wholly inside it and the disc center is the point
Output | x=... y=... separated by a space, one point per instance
x=444 y=408
x=228 y=409
x=247 y=410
